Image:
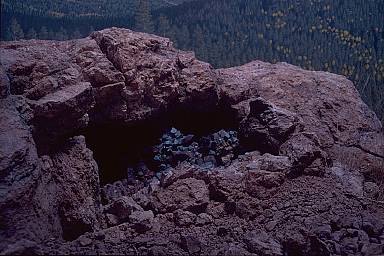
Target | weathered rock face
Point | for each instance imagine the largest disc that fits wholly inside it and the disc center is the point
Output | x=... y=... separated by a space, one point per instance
x=308 y=153
x=157 y=76
x=70 y=185
x=328 y=105
x=266 y=126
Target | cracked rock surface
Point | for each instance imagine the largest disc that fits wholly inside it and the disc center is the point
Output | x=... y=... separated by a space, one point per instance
x=308 y=179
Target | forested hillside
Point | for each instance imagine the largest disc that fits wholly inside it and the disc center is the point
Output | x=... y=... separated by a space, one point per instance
x=339 y=36
x=61 y=8
x=66 y=19
x=343 y=37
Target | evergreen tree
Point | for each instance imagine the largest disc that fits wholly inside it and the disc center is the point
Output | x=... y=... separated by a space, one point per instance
x=183 y=37
x=91 y=30
x=52 y=35
x=8 y=34
x=43 y=33
x=143 y=17
x=199 y=44
x=62 y=34
x=31 y=34
x=163 y=27
x=172 y=34
x=76 y=34
x=16 y=31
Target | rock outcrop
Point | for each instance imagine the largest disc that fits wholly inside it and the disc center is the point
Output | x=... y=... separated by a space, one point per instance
x=299 y=172
x=327 y=104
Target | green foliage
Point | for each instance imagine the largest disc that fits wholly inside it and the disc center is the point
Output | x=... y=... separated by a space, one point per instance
x=163 y=27
x=76 y=34
x=31 y=34
x=15 y=31
x=96 y=8
x=143 y=17
x=43 y=33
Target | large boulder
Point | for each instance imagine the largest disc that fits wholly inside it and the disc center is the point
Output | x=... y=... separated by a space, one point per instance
x=122 y=208
x=61 y=113
x=305 y=153
x=19 y=173
x=69 y=189
x=187 y=194
x=328 y=105
x=267 y=127
x=157 y=75
x=266 y=172
x=4 y=84
x=258 y=242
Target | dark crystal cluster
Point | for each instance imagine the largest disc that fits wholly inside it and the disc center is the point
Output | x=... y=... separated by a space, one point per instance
x=217 y=149
x=208 y=152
